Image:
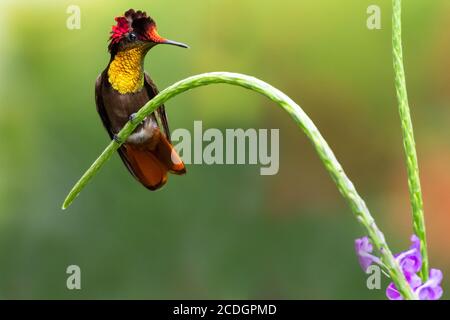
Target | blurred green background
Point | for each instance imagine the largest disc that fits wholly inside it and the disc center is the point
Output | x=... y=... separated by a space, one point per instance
x=221 y=232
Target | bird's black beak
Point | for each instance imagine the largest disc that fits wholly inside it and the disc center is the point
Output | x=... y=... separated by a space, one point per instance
x=175 y=43
x=153 y=36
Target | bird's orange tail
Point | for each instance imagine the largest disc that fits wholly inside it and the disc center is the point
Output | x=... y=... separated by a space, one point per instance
x=150 y=162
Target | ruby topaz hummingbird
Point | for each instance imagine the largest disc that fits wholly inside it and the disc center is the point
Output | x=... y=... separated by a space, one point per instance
x=123 y=88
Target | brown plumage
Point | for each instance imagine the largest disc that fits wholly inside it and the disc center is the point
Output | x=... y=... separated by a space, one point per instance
x=123 y=88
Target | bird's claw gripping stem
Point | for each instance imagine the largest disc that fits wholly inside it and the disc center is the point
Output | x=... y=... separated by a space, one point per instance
x=117 y=139
x=132 y=117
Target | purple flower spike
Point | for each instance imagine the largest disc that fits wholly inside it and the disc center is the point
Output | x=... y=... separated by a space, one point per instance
x=431 y=290
x=410 y=262
x=364 y=249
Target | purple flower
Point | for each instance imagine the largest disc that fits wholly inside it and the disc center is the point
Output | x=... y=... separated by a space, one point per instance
x=363 y=249
x=431 y=289
x=410 y=262
x=393 y=294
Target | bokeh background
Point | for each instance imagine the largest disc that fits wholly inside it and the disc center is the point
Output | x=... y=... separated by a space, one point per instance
x=222 y=232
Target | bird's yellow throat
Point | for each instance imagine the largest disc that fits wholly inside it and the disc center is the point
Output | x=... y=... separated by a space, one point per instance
x=126 y=71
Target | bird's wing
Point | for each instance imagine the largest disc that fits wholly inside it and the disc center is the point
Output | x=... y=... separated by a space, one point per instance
x=100 y=106
x=107 y=123
x=152 y=91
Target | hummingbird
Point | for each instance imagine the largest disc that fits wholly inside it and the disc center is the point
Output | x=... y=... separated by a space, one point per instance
x=123 y=88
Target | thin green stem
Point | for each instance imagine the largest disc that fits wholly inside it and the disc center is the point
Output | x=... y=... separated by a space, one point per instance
x=327 y=156
x=409 y=144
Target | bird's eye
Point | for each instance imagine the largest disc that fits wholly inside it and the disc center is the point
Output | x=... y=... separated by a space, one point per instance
x=132 y=36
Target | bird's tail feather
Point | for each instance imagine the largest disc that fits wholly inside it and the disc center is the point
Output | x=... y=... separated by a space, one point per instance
x=149 y=163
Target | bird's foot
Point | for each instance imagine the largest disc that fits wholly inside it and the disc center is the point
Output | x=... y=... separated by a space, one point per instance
x=117 y=139
x=132 y=117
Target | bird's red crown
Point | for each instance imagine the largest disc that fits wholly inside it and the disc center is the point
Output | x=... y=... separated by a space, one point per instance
x=120 y=29
x=136 y=27
x=136 y=21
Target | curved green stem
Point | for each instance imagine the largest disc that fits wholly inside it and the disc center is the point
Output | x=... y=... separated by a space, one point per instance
x=409 y=144
x=327 y=156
